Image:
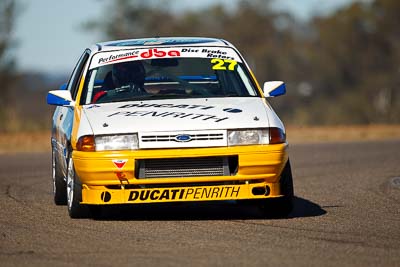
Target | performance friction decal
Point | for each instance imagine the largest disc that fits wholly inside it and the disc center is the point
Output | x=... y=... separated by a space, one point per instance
x=117 y=57
x=228 y=56
x=226 y=192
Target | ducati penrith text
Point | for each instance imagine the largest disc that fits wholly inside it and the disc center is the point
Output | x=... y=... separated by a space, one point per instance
x=182 y=194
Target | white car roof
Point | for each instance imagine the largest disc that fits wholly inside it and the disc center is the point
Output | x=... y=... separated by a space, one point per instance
x=158 y=42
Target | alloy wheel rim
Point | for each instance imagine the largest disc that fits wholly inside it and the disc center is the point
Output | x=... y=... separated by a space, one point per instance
x=70 y=183
x=53 y=170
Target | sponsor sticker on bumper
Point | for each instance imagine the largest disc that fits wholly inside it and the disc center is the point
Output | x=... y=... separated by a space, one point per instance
x=184 y=194
x=175 y=194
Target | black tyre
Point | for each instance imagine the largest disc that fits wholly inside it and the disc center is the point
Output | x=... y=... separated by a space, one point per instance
x=74 y=193
x=282 y=206
x=59 y=183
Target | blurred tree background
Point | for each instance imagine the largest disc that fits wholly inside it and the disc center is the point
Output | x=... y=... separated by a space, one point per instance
x=7 y=77
x=343 y=68
x=22 y=95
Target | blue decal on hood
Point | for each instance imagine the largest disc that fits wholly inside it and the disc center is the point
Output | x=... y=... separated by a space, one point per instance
x=93 y=106
x=232 y=110
x=183 y=138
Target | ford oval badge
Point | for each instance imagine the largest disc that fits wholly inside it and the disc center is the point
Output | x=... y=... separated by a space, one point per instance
x=183 y=138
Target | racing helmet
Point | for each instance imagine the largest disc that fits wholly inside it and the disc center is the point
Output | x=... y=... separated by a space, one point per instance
x=128 y=73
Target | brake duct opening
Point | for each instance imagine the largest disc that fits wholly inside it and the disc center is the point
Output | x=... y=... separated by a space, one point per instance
x=261 y=191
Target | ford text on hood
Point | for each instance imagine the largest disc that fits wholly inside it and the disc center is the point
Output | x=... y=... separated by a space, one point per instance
x=167 y=120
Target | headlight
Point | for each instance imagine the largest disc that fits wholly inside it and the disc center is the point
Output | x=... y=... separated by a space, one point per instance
x=116 y=142
x=256 y=136
x=248 y=137
x=90 y=143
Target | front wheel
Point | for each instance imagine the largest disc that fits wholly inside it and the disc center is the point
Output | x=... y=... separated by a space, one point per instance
x=59 y=184
x=74 y=193
x=282 y=206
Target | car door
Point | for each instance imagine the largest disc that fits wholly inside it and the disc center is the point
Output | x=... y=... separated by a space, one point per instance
x=64 y=116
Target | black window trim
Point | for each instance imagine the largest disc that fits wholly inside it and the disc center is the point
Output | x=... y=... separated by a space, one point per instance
x=76 y=74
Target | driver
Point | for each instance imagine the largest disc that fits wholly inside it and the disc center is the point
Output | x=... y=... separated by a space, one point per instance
x=128 y=75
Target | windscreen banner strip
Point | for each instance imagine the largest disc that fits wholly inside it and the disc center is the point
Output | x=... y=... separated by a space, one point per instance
x=106 y=58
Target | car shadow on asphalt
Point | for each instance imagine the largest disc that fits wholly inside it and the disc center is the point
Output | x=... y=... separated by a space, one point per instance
x=227 y=210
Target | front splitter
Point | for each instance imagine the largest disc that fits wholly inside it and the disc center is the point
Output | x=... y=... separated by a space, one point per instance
x=180 y=194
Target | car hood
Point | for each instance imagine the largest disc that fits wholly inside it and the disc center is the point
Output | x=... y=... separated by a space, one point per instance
x=178 y=115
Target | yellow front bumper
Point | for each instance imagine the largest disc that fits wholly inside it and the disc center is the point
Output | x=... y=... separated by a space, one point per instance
x=104 y=181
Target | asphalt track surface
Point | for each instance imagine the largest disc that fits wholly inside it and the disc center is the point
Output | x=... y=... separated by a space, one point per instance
x=347 y=213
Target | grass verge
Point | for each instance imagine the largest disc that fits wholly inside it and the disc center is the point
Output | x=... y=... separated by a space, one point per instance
x=21 y=142
x=318 y=134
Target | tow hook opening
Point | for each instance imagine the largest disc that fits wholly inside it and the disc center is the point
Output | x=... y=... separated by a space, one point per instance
x=105 y=196
x=261 y=191
x=258 y=191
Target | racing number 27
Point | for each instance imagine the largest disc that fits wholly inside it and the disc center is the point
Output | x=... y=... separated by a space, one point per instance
x=222 y=64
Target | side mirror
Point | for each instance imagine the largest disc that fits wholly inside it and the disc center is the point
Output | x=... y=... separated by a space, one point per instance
x=60 y=98
x=63 y=86
x=274 y=88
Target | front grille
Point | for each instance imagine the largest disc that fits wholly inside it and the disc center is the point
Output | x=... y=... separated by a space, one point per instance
x=186 y=167
x=183 y=139
x=172 y=138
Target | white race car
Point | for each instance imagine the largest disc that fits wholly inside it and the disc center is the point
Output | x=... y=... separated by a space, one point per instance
x=167 y=120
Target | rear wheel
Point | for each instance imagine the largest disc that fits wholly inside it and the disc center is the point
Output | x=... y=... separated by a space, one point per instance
x=59 y=183
x=282 y=206
x=74 y=193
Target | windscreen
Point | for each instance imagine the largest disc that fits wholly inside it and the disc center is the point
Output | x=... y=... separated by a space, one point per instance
x=143 y=74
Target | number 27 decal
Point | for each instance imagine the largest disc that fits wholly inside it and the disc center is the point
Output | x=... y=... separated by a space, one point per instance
x=223 y=64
